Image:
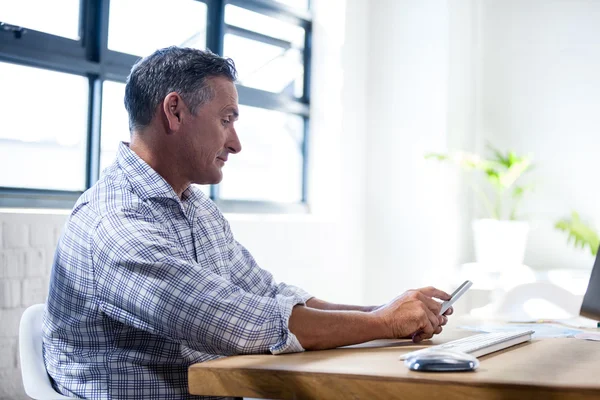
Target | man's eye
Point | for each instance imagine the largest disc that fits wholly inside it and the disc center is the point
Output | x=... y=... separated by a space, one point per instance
x=225 y=121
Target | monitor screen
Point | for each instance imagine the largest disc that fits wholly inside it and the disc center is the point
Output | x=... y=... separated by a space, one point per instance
x=590 y=307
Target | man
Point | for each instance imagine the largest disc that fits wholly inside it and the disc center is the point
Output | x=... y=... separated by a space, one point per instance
x=147 y=277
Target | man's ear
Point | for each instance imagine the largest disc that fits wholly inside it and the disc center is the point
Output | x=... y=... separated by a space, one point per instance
x=173 y=107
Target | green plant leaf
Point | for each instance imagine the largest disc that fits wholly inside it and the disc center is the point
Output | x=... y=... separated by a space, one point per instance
x=494 y=177
x=436 y=156
x=517 y=168
x=579 y=233
x=520 y=191
x=498 y=157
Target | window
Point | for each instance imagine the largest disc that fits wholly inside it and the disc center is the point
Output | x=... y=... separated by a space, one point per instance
x=49 y=158
x=61 y=125
x=114 y=122
x=268 y=52
x=273 y=146
x=64 y=21
x=147 y=19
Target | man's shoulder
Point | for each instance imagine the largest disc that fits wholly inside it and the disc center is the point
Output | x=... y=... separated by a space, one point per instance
x=109 y=198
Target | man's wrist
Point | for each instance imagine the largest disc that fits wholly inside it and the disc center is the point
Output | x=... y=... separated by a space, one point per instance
x=378 y=325
x=370 y=308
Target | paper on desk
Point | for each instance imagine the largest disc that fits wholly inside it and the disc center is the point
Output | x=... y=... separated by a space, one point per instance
x=576 y=322
x=541 y=330
x=588 y=336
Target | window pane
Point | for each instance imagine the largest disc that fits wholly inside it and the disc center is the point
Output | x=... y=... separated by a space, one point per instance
x=115 y=123
x=303 y=4
x=43 y=125
x=269 y=168
x=260 y=23
x=267 y=67
x=59 y=18
x=140 y=26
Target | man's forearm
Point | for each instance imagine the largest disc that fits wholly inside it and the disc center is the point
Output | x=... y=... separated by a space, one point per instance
x=323 y=305
x=321 y=329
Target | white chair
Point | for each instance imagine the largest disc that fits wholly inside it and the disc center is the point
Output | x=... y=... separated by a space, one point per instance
x=539 y=300
x=531 y=302
x=35 y=378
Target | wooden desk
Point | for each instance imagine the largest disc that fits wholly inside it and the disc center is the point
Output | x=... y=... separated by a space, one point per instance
x=564 y=368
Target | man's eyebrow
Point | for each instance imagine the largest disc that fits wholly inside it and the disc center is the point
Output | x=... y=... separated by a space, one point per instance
x=232 y=110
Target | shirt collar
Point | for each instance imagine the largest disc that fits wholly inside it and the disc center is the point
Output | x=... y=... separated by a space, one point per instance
x=145 y=181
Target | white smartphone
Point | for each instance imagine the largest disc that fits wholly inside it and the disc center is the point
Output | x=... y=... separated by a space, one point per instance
x=455 y=296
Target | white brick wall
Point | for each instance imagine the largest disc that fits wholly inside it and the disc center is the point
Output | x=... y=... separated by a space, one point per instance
x=27 y=243
x=10 y=293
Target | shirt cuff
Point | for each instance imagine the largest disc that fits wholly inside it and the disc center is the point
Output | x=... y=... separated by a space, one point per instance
x=289 y=342
x=293 y=291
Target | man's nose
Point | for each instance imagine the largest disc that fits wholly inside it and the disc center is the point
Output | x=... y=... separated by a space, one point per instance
x=233 y=144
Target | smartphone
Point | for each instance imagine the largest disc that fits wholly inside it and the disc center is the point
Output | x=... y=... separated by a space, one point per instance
x=455 y=296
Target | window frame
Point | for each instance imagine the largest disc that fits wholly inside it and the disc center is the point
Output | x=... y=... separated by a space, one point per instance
x=90 y=57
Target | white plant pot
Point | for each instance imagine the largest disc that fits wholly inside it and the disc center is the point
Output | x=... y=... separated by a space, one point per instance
x=500 y=245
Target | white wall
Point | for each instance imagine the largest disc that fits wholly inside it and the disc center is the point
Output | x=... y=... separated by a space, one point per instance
x=27 y=243
x=456 y=74
x=415 y=221
x=541 y=94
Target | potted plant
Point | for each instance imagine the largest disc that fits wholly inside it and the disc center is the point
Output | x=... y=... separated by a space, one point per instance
x=499 y=236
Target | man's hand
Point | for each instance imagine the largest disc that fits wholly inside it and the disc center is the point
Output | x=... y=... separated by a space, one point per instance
x=414 y=314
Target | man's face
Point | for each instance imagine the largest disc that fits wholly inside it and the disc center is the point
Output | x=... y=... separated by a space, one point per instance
x=210 y=135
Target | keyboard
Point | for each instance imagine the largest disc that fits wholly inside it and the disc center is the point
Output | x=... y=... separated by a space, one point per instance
x=480 y=344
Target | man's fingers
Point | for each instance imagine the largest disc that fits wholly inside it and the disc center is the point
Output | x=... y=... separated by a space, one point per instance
x=425 y=333
x=433 y=292
x=449 y=311
x=431 y=326
x=432 y=304
x=431 y=322
x=426 y=330
x=420 y=336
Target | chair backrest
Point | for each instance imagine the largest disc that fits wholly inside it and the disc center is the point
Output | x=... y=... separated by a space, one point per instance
x=538 y=300
x=35 y=378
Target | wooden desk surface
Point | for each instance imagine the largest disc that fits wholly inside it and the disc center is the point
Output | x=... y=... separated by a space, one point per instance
x=563 y=368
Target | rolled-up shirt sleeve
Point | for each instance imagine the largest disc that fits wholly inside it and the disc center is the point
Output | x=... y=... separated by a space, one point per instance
x=144 y=279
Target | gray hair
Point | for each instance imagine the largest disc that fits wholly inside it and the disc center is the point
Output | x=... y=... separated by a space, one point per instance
x=172 y=69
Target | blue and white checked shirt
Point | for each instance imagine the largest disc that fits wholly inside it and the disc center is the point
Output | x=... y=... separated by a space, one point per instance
x=145 y=284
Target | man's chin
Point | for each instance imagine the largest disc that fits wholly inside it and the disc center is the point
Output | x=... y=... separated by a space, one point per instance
x=218 y=177
x=213 y=179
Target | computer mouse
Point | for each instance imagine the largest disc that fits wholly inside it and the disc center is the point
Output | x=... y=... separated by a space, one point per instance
x=441 y=361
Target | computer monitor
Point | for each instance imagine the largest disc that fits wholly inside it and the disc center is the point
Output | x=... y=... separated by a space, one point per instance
x=590 y=308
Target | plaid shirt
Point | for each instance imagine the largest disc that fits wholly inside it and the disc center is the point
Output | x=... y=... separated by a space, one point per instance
x=144 y=284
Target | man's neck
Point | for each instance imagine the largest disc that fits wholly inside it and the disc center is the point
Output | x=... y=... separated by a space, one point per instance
x=159 y=157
